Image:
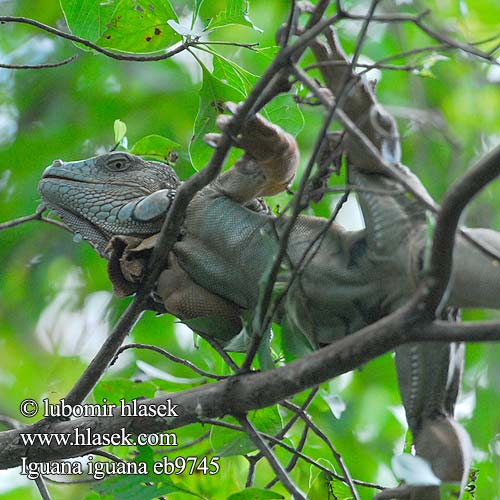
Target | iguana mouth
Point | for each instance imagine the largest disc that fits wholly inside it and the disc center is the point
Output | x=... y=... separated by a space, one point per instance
x=70 y=179
x=133 y=185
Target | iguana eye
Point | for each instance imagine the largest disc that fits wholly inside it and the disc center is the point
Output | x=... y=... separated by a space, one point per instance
x=118 y=162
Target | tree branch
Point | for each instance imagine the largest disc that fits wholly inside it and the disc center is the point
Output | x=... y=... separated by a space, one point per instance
x=235 y=395
x=171 y=357
x=276 y=465
x=39 y=66
x=457 y=198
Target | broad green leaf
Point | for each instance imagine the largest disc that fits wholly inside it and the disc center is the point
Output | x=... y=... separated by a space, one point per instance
x=139 y=26
x=320 y=487
x=427 y=63
x=213 y=94
x=145 y=454
x=157 y=147
x=139 y=487
x=116 y=389
x=239 y=343
x=227 y=442
x=284 y=111
x=215 y=326
x=196 y=11
x=255 y=494
x=120 y=130
x=236 y=13
x=231 y=74
x=160 y=148
x=95 y=496
x=294 y=343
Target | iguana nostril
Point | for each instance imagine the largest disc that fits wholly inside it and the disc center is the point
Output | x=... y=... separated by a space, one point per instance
x=57 y=163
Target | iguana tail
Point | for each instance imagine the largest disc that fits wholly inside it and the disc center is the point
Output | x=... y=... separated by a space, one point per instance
x=475 y=280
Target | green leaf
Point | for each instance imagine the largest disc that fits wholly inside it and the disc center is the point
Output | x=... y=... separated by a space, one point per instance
x=294 y=343
x=231 y=74
x=427 y=63
x=255 y=494
x=239 y=343
x=116 y=389
x=213 y=94
x=227 y=442
x=284 y=111
x=196 y=11
x=139 y=26
x=320 y=487
x=120 y=130
x=145 y=454
x=157 y=147
x=235 y=13
x=215 y=326
x=139 y=487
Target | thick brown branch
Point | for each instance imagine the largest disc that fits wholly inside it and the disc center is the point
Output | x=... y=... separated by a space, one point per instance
x=457 y=198
x=236 y=395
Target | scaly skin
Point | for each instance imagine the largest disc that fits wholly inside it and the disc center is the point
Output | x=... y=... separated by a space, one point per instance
x=353 y=279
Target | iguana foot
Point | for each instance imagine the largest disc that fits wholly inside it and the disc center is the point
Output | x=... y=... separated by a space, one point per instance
x=269 y=162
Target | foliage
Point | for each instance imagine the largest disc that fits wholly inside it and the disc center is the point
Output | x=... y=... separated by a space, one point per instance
x=56 y=305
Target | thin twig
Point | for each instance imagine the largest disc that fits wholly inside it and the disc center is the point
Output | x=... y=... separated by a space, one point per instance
x=162 y=451
x=106 y=454
x=250 y=46
x=338 y=457
x=42 y=488
x=22 y=220
x=214 y=344
x=101 y=360
x=10 y=422
x=285 y=446
x=171 y=357
x=417 y=20
x=39 y=66
x=276 y=465
x=284 y=430
x=252 y=464
x=295 y=458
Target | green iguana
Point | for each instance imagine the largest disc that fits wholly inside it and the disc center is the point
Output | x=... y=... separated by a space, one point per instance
x=117 y=202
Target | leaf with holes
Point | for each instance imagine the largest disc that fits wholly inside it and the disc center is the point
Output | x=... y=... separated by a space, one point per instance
x=139 y=26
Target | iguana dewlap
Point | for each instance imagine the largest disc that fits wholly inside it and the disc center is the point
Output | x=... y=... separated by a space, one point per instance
x=352 y=279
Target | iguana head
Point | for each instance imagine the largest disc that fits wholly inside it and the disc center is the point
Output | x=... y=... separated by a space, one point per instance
x=115 y=193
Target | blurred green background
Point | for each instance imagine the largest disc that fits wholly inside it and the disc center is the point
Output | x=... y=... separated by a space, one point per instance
x=56 y=305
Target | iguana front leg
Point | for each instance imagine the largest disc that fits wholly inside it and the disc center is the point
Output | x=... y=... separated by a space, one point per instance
x=268 y=164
